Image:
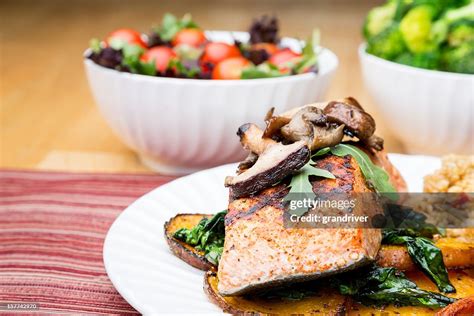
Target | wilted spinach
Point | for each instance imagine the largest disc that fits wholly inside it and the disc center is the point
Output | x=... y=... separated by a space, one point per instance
x=408 y=227
x=372 y=286
x=380 y=286
x=408 y=222
x=208 y=236
x=424 y=254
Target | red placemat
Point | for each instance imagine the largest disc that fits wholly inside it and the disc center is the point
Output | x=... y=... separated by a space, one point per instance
x=52 y=230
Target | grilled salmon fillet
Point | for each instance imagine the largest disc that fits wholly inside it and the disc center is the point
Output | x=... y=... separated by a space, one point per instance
x=260 y=252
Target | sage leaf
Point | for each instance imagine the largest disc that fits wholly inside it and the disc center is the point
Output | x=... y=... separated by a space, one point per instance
x=208 y=236
x=321 y=152
x=424 y=254
x=380 y=286
x=302 y=187
x=375 y=176
x=300 y=182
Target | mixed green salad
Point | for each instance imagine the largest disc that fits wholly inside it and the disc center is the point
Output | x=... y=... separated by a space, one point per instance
x=430 y=34
x=179 y=48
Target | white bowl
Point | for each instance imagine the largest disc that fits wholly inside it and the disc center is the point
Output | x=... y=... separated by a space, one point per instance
x=431 y=112
x=179 y=126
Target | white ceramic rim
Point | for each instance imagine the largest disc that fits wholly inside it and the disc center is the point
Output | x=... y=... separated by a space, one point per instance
x=429 y=164
x=410 y=69
x=322 y=50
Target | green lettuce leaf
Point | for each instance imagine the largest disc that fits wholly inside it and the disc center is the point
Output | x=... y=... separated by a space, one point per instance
x=171 y=25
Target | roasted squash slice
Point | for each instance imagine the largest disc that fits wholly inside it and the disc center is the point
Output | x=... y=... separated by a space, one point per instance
x=463 y=281
x=324 y=302
x=457 y=248
x=182 y=250
x=328 y=302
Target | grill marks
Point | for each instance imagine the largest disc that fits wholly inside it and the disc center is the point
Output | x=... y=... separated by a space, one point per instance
x=343 y=169
x=259 y=252
x=248 y=206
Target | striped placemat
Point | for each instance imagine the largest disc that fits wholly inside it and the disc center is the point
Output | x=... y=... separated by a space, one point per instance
x=52 y=230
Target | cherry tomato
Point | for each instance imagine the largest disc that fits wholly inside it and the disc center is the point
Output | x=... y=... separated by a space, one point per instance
x=128 y=35
x=216 y=52
x=191 y=37
x=268 y=47
x=283 y=56
x=230 y=68
x=161 y=55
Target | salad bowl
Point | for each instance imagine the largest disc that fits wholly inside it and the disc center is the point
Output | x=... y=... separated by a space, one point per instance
x=178 y=126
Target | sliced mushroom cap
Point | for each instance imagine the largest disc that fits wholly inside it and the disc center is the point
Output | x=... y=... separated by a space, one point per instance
x=326 y=136
x=301 y=127
x=248 y=162
x=358 y=122
x=354 y=102
x=274 y=124
x=292 y=112
x=309 y=124
x=273 y=165
x=308 y=129
x=269 y=113
x=374 y=142
x=251 y=138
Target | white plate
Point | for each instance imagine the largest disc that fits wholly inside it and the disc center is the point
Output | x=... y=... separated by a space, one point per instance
x=137 y=258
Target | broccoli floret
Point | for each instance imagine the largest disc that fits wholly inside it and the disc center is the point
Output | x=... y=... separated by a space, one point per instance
x=459 y=59
x=429 y=60
x=453 y=15
x=438 y=6
x=378 y=19
x=388 y=44
x=415 y=28
x=454 y=19
x=439 y=32
x=430 y=34
x=461 y=32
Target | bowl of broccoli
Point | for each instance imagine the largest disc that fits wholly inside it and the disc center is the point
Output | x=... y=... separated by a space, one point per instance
x=418 y=65
x=429 y=34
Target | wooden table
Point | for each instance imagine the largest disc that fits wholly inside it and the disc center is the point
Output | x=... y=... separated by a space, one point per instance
x=48 y=117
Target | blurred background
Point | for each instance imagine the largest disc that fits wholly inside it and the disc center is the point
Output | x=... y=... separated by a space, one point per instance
x=48 y=117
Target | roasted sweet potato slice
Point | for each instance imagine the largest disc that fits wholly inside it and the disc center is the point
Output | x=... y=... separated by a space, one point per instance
x=461 y=307
x=182 y=250
x=324 y=302
x=457 y=253
x=463 y=281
